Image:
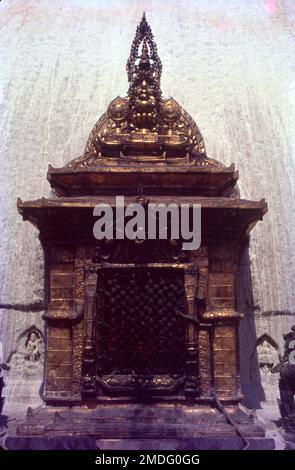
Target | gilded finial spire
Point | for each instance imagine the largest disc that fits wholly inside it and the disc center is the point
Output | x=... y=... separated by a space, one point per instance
x=144 y=73
x=144 y=45
x=144 y=124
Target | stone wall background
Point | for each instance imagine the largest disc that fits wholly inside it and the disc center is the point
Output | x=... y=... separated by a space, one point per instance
x=229 y=63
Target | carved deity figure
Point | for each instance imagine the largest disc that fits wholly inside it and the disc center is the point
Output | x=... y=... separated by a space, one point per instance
x=267 y=355
x=287 y=382
x=3 y=366
x=1 y=377
x=32 y=352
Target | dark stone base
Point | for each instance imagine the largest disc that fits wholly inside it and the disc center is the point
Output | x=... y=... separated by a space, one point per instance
x=90 y=443
x=137 y=427
x=289 y=438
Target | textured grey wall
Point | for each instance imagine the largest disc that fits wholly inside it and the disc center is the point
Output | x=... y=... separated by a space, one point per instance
x=229 y=63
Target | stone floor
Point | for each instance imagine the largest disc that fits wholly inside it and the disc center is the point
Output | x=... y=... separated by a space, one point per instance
x=159 y=427
x=268 y=416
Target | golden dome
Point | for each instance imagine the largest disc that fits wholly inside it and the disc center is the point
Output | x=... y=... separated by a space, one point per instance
x=144 y=126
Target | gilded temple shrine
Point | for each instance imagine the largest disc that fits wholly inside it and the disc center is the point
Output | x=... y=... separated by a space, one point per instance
x=141 y=328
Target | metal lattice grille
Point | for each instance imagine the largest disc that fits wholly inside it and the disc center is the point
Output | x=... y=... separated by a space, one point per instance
x=140 y=331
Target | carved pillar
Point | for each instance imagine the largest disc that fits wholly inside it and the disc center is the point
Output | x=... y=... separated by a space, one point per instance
x=89 y=367
x=191 y=367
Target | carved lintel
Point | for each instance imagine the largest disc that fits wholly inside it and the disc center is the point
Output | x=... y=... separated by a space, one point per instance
x=89 y=369
x=135 y=383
